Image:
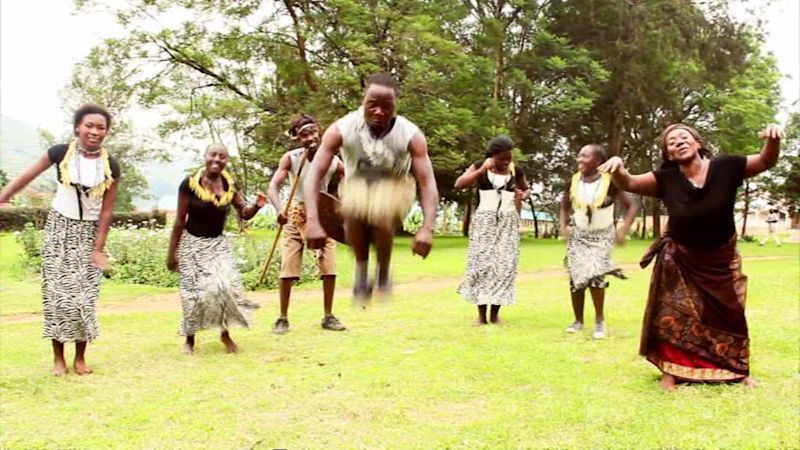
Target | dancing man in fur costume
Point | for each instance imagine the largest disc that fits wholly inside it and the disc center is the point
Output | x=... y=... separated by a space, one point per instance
x=381 y=151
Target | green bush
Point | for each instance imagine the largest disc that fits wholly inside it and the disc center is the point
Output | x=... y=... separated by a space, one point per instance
x=15 y=219
x=31 y=240
x=139 y=256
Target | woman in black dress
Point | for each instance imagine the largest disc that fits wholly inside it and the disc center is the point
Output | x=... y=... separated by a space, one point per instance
x=694 y=325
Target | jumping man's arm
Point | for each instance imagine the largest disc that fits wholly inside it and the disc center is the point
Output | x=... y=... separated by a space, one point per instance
x=428 y=193
x=331 y=142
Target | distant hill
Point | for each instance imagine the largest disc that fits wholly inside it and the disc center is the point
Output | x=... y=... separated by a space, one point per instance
x=19 y=145
x=163 y=180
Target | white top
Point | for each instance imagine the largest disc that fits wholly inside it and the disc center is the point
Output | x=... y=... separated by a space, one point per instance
x=295 y=156
x=602 y=218
x=363 y=153
x=491 y=199
x=85 y=172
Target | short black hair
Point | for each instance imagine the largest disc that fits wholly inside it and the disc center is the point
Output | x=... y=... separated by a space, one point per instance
x=499 y=144
x=599 y=151
x=87 y=109
x=383 y=79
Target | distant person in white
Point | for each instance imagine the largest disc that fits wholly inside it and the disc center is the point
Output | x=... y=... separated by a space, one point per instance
x=773 y=218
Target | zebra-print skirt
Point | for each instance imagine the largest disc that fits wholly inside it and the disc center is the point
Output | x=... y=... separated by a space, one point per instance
x=492 y=258
x=211 y=287
x=589 y=258
x=70 y=282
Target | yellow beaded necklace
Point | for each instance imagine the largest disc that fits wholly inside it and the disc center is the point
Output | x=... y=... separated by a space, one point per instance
x=96 y=191
x=207 y=196
x=602 y=192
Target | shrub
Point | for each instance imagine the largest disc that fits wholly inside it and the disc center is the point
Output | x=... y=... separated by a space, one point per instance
x=31 y=240
x=15 y=219
x=139 y=256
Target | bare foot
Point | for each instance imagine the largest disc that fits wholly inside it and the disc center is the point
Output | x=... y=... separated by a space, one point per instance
x=60 y=368
x=478 y=322
x=230 y=346
x=384 y=293
x=667 y=382
x=81 y=368
x=750 y=382
x=362 y=292
x=188 y=347
x=496 y=321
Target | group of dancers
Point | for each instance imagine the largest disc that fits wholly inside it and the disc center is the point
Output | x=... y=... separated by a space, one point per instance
x=694 y=326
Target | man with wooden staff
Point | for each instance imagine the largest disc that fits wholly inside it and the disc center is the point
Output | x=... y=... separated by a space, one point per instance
x=296 y=164
x=384 y=155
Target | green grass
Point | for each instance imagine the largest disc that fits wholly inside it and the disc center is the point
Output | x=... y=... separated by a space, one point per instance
x=411 y=373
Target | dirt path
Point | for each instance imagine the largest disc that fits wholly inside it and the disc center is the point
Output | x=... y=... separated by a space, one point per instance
x=170 y=302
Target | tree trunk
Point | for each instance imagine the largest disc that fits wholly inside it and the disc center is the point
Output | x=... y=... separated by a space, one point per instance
x=747 y=192
x=445 y=217
x=621 y=91
x=498 y=71
x=656 y=218
x=644 y=217
x=242 y=161
x=615 y=147
x=535 y=221
x=301 y=47
x=467 y=214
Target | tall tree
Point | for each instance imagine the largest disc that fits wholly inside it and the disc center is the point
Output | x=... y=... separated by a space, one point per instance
x=783 y=184
x=554 y=74
x=742 y=110
x=108 y=82
x=664 y=57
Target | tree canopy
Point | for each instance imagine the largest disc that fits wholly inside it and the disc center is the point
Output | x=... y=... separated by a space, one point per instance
x=553 y=74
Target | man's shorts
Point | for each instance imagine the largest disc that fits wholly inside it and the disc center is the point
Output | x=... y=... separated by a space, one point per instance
x=292 y=254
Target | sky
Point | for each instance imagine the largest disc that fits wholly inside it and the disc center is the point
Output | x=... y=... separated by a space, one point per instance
x=41 y=41
x=37 y=54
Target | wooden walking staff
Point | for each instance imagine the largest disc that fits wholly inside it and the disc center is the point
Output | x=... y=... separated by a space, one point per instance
x=280 y=226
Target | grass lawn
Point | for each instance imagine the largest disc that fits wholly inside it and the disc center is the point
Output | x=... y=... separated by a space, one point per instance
x=409 y=373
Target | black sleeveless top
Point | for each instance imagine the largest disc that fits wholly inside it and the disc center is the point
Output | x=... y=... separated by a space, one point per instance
x=702 y=217
x=204 y=218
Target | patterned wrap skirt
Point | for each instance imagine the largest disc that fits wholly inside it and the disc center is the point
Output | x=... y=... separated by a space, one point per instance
x=589 y=258
x=492 y=258
x=211 y=287
x=70 y=282
x=694 y=324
